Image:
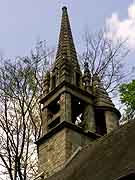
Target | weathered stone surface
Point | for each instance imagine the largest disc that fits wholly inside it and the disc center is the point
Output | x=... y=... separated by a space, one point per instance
x=75 y=107
x=111 y=121
x=109 y=158
x=54 y=153
x=44 y=125
x=65 y=107
x=89 y=119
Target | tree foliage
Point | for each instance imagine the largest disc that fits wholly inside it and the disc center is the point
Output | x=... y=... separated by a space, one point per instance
x=127 y=96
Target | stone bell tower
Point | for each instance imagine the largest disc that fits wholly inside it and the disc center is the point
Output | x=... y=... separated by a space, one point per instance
x=74 y=114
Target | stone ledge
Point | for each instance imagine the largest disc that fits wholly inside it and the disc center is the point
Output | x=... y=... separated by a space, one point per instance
x=107 y=108
x=63 y=125
x=67 y=84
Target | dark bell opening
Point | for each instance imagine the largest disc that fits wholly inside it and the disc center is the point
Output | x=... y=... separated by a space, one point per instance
x=100 y=122
x=78 y=79
x=54 y=123
x=53 y=82
x=54 y=107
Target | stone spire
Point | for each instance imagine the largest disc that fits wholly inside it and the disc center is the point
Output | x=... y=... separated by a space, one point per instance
x=66 y=67
x=72 y=115
x=102 y=97
x=66 y=49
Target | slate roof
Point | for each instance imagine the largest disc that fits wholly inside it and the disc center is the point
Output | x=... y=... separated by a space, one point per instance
x=109 y=158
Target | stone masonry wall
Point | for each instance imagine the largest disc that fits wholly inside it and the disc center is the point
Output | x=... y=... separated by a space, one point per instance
x=74 y=140
x=51 y=154
x=55 y=152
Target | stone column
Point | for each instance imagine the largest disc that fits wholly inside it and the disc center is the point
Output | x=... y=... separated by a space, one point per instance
x=89 y=119
x=65 y=107
x=45 y=121
x=51 y=82
x=112 y=121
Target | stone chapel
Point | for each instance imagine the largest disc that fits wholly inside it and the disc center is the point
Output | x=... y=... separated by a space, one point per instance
x=78 y=114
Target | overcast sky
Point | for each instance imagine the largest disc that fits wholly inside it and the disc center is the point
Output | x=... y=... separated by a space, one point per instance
x=23 y=22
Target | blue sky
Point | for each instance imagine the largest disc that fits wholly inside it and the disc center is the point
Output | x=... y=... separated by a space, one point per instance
x=22 y=23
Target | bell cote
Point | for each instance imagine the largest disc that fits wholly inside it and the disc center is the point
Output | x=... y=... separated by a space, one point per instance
x=76 y=107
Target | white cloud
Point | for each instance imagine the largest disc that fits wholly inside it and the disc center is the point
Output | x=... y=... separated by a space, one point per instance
x=122 y=29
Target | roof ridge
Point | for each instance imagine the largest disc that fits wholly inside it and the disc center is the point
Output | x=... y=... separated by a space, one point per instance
x=100 y=139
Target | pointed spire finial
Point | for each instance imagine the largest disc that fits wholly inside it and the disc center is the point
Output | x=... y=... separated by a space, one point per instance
x=64 y=8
